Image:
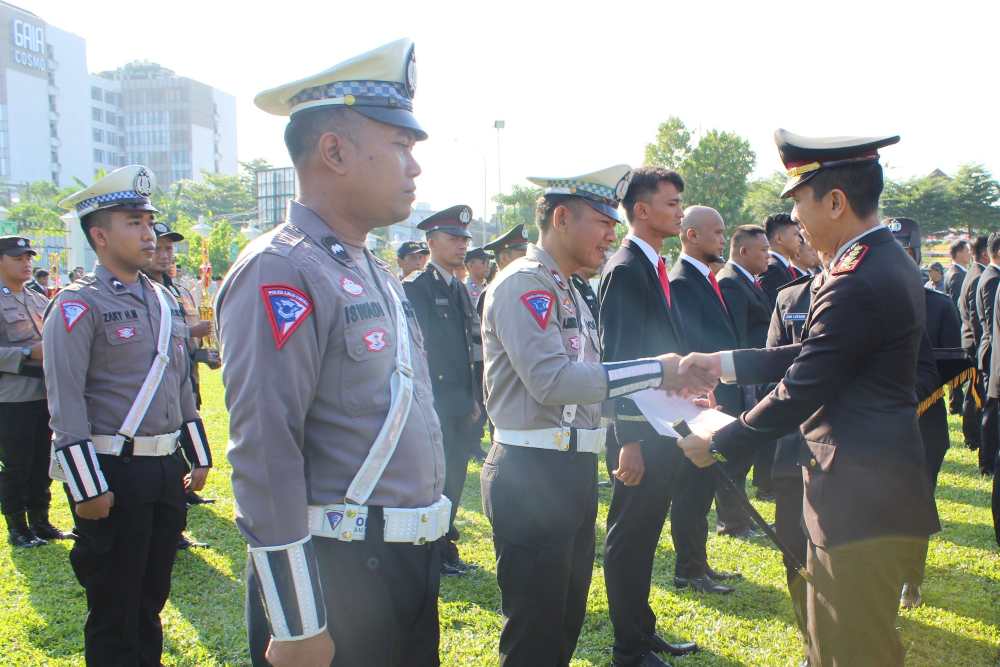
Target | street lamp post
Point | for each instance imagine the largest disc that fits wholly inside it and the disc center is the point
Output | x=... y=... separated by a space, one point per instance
x=499 y=125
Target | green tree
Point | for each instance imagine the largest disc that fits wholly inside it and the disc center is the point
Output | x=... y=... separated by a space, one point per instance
x=37 y=209
x=929 y=200
x=672 y=145
x=519 y=207
x=248 y=172
x=976 y=195
x=763 y=198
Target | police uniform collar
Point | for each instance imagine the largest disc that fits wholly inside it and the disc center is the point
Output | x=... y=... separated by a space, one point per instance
x=538 y=254
x=313 y=226
x=112 y=281
x=441 y=273
x=807 y=277
x=846 y=246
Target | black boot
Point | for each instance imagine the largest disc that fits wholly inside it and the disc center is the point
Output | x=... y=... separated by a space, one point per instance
x=18 y=533
x=42 y=528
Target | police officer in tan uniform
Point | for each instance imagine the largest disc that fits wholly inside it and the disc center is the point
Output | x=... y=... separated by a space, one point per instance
x=24 y=414
x=545 y=385
x=338 y=465
x=116 y=369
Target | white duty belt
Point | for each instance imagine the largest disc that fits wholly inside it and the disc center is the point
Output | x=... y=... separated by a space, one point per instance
x=590 y=440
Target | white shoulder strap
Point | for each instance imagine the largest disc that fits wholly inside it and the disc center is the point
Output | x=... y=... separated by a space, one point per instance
x=401 y=386
x=155 y=375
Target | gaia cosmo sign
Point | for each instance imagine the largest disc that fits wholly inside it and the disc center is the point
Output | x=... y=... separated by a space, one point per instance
x=28 y=45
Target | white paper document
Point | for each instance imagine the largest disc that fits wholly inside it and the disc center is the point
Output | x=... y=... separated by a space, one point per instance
x=662 y=409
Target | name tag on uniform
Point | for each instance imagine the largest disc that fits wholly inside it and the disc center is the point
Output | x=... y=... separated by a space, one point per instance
x=350 y=524
x=795 y=317
x=441 y=301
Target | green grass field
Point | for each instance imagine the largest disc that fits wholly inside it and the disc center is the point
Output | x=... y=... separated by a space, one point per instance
x=43 y=608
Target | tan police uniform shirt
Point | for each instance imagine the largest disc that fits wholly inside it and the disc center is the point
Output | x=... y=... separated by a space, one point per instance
x=308 y=340
x=534 y=324
x=99 y=341
x=21 y=316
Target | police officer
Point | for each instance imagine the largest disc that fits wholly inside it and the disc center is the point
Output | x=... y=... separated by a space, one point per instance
x=119 y=388
x=477 y=263
x=851 y=384
x=411 y=257
x=449 y=324
x=544 y=387
x=336 y=451
x=24 y=414
x=39 y=282
x=507 y=247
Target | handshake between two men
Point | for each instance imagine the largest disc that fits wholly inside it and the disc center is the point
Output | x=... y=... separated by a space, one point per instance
x=694 y=376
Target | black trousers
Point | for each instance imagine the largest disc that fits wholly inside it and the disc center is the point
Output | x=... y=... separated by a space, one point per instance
x=381 y=602
x=762 y=468
x=788 y=526
x=689 y=519
x=124 y=561
x=934 y=432
x=971 y=417
x=635 y=521
x=25 y=443
x=990 y=443
x=457 y=433
x=853 y=601
x=956 y=400
x=729 y=514
x=542 y=505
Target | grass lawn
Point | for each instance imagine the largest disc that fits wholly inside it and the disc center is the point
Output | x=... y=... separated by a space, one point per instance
x=43 y=609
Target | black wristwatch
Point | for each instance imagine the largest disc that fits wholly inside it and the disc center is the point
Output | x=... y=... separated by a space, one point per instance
x=26 y=352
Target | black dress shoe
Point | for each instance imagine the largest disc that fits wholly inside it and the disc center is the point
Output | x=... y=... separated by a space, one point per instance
x=38 y=522
x=661 y=645
x=23 y=539
x=744 y=533
x=765 y=495
x=192 y=498
x=185 y=543
x=722 y=576
x=450 y=570
x=702 y=584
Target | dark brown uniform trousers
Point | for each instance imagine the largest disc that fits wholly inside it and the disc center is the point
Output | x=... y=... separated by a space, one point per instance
x=854 y=598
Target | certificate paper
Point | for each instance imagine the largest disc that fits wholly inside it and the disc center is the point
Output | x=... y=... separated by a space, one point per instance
x=662 y=409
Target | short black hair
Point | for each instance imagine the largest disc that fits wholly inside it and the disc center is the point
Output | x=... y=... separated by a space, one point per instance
x=979 y=246
x=545 y=206
x=99 y=218
x=775 y=222
x=994 y=244
x=744 y=233
x=646 y=181
x=861 y=183
x=40 y=273
x=957 y=247
x=306 y=127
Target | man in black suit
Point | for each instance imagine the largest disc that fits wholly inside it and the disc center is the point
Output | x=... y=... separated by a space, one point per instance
x=708 y=327
x=986 y=293
x=971 y=335
x=750 y=311
x=961 y=255
x=446 y=316
x=785 y=239
x=851 y=385
x=639 y=318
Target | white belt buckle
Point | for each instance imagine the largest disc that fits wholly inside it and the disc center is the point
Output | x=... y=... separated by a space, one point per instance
x=352 y=521
x=562 y=438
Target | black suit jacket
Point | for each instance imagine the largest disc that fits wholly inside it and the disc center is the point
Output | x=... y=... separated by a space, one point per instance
x=749 y=306
x=776 y=277
x=635 y=323
x=446 y=318
x=953 y=279
x=971 y=333
x=851 y=384
x=986 y=292
x=708 y=327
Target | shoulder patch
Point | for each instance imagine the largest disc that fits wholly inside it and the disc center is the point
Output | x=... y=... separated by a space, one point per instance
x=72 y=310
x=287 y=308
x=851 y=259
x=539 y=304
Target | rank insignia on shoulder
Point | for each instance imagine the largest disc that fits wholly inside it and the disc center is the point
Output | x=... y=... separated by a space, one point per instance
x=851 y=259
x=287 y=308
x=559 y=280
x=5 y=290
x=72 y=311
x=539 y=304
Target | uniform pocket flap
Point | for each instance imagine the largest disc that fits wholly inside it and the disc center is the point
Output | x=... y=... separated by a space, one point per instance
x=817 y=456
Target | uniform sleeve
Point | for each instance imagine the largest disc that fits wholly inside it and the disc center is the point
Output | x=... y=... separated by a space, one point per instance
x=272 y=355
x=621 y=303
x=827 y=361
x=193 y=439
x=776 y=330
x=523 y=313
x=67 y=336
x=10 y=358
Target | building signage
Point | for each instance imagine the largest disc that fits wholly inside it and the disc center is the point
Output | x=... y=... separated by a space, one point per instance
x=28 y=45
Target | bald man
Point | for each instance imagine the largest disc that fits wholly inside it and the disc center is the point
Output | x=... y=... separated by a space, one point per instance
x=708 y=326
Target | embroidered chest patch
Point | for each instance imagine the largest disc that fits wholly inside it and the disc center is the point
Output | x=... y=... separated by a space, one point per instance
x=125 y=333
x=375 y=340
x=351 y=287
x=539 y=304
x=287 y=308
x=851 y=259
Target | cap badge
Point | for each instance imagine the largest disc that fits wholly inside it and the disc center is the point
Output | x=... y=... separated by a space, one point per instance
x=524 y=234
x=160 y=228
x=143 y=183
x=465 y=216
x=895 y=226
x=622 y=188
x=21 y=243
x=411 y=73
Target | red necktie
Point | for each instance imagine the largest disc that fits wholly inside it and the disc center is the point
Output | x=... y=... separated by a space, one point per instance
x=718 y=292
x=792 y=270
x=756 y=282
x=661 y=272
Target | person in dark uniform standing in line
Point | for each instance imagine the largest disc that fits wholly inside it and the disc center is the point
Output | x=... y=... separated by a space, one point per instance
x=447 y=320
x=971 y=335
x=545 y=385
x=119 y=387
x=851 y=384
x=507 y=247
x=750 y=310
x=639 y=318
x=39 y=282
x=784 y=239
x=943 y=330
x=25 y=438
x=477 y=263
x=961 y=255
x=989 y=451
x=411 y=257
x=986 y=292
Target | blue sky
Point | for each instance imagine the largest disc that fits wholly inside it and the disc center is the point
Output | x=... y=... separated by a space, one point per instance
x=583 y=85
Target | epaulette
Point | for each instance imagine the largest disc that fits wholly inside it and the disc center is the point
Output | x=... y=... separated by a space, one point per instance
x=798 y=281
x=851 y=259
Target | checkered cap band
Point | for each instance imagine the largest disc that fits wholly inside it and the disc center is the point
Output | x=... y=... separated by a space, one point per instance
x=379 y=93
x=583 y=189
x=107 y=200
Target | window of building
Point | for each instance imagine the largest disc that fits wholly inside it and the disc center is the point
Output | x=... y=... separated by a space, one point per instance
x=98 y=135
x=53 y=132
x=96 y=94
x=54 y=156
x=96 y=114
x=52 y=102
x=98 y=156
